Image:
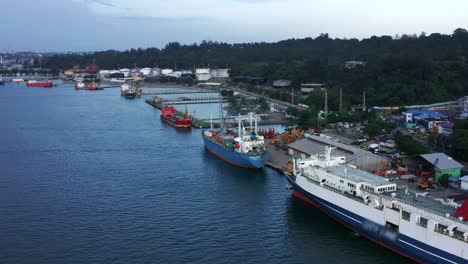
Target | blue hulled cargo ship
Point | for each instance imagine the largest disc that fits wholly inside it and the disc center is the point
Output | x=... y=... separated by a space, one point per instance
x=242 y=149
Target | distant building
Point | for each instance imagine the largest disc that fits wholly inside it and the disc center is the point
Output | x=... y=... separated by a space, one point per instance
x=463 y=116
x=354 y=64
x=282 y=83
x=443 y=164
x=446 y=128
x=418 y=115
x=307 y=88
x=464 y=182
x=462 y=105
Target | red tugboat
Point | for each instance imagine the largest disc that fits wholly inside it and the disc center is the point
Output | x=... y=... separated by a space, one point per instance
x=169 y=115
x=44 y=84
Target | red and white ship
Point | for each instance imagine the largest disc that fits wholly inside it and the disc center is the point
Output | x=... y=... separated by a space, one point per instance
x=169 y=115
x=44 y=84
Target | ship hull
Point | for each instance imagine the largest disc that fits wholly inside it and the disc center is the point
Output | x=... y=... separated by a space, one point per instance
x=237 y=159
x=130 y=95
x=175 y=122
x=88 y=88
x=379 y=234
x=40 y=85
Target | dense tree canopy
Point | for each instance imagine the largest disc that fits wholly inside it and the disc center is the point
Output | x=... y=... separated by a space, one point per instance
x=407 y=69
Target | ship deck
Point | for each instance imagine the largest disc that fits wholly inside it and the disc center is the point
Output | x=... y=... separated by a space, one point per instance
x=426 y=203
x=356 y=175
x=416 y=199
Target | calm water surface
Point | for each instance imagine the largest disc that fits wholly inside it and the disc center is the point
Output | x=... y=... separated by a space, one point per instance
x=90 y=177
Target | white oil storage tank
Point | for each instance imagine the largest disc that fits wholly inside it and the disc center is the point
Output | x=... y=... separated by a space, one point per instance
x=214 y=73
x=202 y=71
x=125 y=71
x=146 y=71
x=222 y=73
x=156 y=71
x=203 y=77
x=166 y=71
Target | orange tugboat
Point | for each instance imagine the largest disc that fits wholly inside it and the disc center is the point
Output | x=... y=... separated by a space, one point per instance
x=169 y=115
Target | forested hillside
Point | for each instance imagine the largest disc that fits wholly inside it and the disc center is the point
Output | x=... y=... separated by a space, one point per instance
x=408 y=69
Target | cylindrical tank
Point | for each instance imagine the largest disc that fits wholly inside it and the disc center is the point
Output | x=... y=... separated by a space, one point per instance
x=146 y=71
x=156 y=72
x=203 y=77
x=214 y=73
x=166 y=71
x=103 y=74
x=126 y=72
x=202 y=71
x=222 y=73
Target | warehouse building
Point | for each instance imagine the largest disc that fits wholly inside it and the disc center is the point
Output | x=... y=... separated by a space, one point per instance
x=362 y=159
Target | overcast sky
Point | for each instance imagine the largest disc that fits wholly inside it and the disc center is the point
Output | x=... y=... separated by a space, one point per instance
x=90 y=25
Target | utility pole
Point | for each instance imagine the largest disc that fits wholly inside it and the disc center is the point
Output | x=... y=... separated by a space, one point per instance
x=364 y=101
x=292 y=95
x=326 y=103
x=341 y=100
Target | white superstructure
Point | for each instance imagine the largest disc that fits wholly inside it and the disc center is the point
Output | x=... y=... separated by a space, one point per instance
x=248 y=141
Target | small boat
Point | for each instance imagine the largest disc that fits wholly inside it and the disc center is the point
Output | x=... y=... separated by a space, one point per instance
x=87 y=86
x=169 y=115
x=129 y=90
x=80 y=86
x=1 y=81
x=88 y=82
x=43 y=84
x=17 y=80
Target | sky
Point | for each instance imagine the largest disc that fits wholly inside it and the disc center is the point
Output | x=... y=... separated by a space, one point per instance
x=92 y=25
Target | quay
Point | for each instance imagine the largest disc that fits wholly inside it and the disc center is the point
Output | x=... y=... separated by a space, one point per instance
x=203 y=123
x=197 y=100
x=170 y=93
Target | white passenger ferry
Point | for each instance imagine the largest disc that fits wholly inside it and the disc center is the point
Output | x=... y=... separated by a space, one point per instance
x=411 y=224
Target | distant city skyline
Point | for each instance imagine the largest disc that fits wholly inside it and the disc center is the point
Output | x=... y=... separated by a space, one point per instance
x=93 y=25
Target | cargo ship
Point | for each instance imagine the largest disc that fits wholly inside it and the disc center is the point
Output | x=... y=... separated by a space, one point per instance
x=43 y=84
x=169 y=115
x=420 y=228
x=243 y=149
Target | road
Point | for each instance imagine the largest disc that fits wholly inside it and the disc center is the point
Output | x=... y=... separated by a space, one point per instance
x=266 y=98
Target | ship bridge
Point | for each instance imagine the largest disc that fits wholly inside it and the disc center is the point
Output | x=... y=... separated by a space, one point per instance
x=362 y=179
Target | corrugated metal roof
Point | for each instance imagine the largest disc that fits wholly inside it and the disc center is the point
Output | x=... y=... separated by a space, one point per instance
x=444 y=162
x=311 y=147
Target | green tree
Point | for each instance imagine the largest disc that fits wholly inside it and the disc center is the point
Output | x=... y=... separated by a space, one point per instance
x=373 y=130
x=292 y=111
